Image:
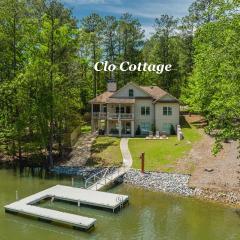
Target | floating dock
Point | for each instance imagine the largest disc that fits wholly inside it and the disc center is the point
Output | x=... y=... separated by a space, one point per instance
x=70 y=194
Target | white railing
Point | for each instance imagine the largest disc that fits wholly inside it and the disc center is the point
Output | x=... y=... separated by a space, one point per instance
x=120 y=115
x=99 y=114
x=126 y=115
x=113 y=115
x=102 y=115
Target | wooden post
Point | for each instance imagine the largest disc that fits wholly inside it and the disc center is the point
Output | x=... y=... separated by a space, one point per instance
x=72 y=182
x=142 y=157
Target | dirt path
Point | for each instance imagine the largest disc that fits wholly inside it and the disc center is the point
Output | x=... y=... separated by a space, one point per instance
x=223 y=170
x=207 y=171
x=81 y=151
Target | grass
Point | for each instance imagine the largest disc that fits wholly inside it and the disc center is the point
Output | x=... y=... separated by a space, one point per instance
x=161 y=155
x=85 y=128
x=106 y=152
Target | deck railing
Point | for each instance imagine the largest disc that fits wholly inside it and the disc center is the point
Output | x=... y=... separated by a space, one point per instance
x=100 y=115
x=120 y=115
x=103 y=115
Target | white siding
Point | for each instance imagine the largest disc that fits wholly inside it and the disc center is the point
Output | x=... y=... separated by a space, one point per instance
x=160 y=119
x=125 y=91
x=143 y=118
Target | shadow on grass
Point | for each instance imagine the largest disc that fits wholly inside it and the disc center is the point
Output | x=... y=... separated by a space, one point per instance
x=184 y=123
x=98 y=147
x=200 y=124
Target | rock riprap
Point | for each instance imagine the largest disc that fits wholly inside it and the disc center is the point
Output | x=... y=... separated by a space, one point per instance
x=165 y=182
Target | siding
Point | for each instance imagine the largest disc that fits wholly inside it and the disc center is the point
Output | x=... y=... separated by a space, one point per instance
x=137 y=112
x=124 y=92
x=160 y=119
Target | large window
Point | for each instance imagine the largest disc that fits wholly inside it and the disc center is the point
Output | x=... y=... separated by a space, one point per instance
x=130 y=93
x=167 y=111
x=145 y=127
x=96 y=108
x=128 y=109
x=145 y=110
x=122 y=110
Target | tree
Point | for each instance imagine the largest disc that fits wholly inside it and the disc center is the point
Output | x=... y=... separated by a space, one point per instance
x=130 y=41
x=92 y=25
x=214 y=88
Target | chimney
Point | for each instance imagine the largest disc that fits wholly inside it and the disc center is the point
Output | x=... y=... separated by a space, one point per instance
x=111 y=85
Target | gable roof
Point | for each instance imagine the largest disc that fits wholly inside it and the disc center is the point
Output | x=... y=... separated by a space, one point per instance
x=133 y=84
x=102 y=98
x=156 y=93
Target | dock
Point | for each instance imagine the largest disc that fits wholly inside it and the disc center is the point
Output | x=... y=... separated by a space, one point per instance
x=79 y=196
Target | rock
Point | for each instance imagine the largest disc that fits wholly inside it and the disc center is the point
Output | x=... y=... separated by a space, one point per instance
x=166 y=182
x=209 y=169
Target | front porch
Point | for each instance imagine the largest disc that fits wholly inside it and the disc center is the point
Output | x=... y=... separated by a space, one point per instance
x=121 y=128
x=113 y=119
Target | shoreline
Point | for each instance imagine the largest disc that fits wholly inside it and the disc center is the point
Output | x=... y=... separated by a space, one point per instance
x=169 y=183
x=177 y=184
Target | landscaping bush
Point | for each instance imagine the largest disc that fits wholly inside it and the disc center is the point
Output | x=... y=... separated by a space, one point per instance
x=138 y=131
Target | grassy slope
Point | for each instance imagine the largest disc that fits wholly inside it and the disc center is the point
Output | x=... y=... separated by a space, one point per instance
x=161 y=155
x=106 y=151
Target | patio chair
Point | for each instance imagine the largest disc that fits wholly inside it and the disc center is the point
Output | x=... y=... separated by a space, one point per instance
x=150 y=135
x=157 y=134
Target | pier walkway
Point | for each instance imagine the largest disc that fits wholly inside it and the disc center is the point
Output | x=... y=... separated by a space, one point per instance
x=108 y=178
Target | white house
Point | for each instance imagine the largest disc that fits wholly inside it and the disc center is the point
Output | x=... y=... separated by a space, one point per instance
x=134 y=110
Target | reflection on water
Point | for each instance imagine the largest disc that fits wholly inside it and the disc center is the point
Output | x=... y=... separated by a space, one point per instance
x=150 y=215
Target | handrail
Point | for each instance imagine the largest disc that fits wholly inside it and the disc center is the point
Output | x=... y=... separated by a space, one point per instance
x=107 y=175
x=96 y=175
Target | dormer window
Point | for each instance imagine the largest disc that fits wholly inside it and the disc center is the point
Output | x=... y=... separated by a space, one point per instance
x=130 y=93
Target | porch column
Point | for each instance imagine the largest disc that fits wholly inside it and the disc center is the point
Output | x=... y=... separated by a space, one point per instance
x=120 y=128
x=119 y=120
x=92 y=121
x=107 y=133
x=132 y=128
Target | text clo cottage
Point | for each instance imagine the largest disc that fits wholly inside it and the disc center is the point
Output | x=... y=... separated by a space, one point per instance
x=127 y=66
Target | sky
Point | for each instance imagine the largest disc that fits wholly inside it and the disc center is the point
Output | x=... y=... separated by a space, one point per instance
x=145 y=10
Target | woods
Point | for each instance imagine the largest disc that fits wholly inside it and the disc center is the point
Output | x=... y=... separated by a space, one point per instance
x=47 y=75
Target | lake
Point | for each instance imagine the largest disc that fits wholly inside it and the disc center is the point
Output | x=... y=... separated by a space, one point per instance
x=150 y=215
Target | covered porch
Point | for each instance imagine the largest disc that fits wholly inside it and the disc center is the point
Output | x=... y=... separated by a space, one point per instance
x=120 y=128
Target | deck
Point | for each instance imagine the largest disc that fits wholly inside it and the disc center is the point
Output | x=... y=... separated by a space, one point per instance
x=70 y=194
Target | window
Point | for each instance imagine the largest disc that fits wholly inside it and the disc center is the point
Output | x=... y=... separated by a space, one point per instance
x=130 y=93
x=167 y=111
x=145 y=110
x=120 y=110
x=104 y=108
x=128 y=109
x=145 y=127
x=96 y=108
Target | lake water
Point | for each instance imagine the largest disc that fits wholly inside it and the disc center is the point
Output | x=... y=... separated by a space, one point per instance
x=150 y=216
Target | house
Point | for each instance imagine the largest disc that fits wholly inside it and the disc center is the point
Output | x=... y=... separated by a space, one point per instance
x=134 y=110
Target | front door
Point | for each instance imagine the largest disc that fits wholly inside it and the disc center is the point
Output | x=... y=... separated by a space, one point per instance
x=126 y=128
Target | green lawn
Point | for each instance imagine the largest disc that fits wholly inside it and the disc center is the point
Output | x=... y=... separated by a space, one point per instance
x=161 y=155
x=86 y=128
x=106 y=151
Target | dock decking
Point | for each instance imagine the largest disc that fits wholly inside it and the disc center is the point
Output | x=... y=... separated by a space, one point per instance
x=70 y=194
